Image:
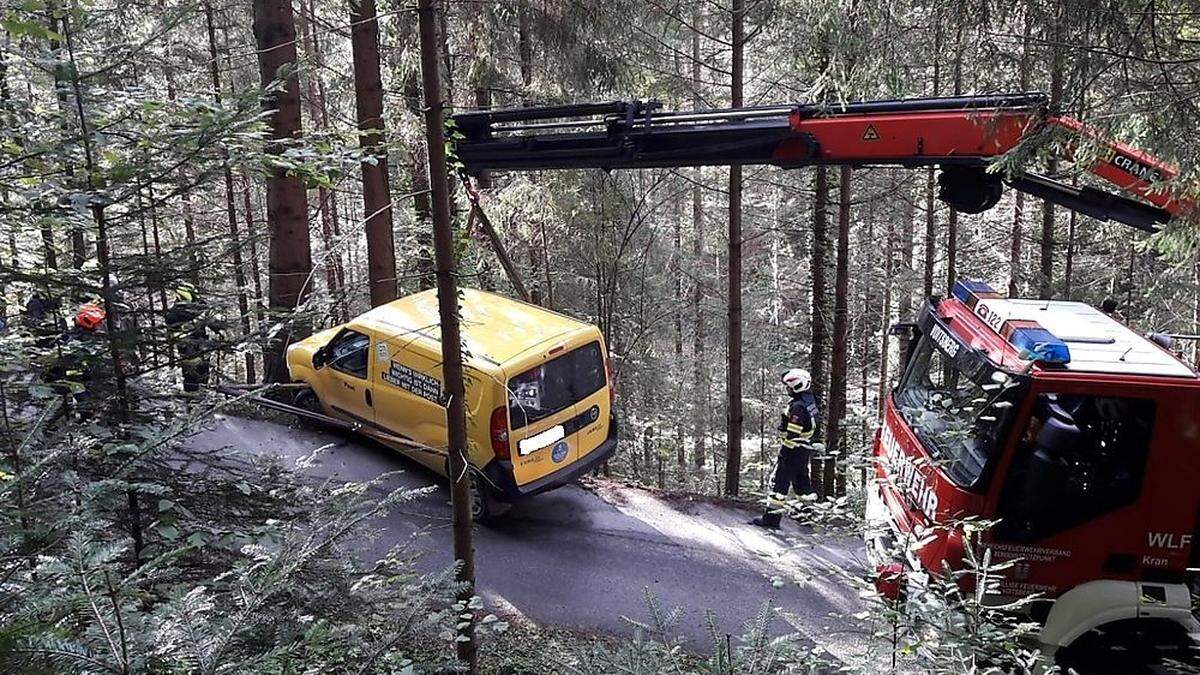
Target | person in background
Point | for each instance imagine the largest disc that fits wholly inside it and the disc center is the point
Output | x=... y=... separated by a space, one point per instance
x=798 y=425
x=193 y=330
x=80 y=357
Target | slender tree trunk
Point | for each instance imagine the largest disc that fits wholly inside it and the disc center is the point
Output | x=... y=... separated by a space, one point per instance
x=239 y=274
x=930 y=192
x=420 y=192
x=699 y=369
x=952 y=217
x=255 y=271
x=904 y=305
x=377 y=197
x=733 y=431
x=837 y=373
x=525 y=48
x=1015 y=262
x=820 y=306
x=59 y=26
x=1046 y=282
x=447 y=285
x=189 y=218
x=676 y=270
x=287 y=208
x=334 y=271
x=885 y=320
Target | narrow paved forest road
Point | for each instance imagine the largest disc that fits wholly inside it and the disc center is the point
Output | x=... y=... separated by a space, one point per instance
x=579 y=558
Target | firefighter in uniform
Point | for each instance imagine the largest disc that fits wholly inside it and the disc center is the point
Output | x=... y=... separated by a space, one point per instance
x=798 y=425
x=191 y=326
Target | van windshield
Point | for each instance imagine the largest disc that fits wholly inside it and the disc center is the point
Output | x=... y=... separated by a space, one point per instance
x=961 y=420
x=555 y=385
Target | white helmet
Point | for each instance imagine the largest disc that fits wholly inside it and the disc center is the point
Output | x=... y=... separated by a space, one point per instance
x=797 y=380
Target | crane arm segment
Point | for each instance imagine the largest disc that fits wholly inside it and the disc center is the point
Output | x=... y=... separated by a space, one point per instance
x=961 y=135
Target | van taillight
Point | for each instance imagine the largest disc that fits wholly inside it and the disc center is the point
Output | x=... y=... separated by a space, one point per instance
x=612 y=385
x=499 y=432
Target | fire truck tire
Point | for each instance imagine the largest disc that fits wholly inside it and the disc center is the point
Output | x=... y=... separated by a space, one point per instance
x=1130 y=646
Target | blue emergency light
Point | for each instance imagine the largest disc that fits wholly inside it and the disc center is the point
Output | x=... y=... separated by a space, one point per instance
x=969 y=290
x=1043 y=345
x=1030 y=339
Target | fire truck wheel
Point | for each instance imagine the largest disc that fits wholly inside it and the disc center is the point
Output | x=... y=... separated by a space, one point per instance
x=1130 y=646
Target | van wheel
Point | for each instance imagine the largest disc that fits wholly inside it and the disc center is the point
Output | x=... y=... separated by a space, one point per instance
x=485 y=508
x=306 y=399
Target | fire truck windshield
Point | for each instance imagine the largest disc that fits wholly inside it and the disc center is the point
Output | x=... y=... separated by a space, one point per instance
x=961 y=415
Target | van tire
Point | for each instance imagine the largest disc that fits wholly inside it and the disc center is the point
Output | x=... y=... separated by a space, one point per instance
x=485 y=508
x=306 y=399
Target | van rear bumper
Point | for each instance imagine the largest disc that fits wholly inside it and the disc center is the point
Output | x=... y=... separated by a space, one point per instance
x=500 y=473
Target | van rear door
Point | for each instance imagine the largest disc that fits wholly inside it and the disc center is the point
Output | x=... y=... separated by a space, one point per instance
x=547 y=410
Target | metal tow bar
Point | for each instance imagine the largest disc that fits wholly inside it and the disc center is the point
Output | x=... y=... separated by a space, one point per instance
x=240 y=391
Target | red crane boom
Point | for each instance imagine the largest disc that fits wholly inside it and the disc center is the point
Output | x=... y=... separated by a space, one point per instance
x=961 y=135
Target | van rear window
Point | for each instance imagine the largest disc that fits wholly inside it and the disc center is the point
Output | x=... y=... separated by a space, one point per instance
x=555 y=385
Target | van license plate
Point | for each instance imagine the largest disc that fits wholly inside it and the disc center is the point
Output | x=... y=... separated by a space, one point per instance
x=538 y=441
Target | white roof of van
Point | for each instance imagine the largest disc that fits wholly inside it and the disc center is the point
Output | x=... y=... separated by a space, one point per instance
x=1098 y=343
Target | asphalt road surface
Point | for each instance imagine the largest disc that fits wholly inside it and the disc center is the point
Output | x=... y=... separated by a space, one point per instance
x=579 y=557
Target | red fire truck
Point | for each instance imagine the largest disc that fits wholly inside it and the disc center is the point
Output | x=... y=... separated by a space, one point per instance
x=1077 y=434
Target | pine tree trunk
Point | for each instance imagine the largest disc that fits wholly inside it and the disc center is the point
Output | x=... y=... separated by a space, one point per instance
x=833 y=480
x=733 y=430
x=930 y=182
x=290 y=255
x=1046 y=281
x=452 y=370
x=239 y=275
x=1015 y=262
x=699 y=369
x=377 y=197
x=420 y=191
x=952 y=218
x=904 y=304
x=820 y=304
x=59 y=26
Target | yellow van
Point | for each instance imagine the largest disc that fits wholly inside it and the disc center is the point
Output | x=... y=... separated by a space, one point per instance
x=539 y=390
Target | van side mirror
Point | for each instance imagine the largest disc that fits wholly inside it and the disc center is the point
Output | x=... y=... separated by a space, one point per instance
x=319 y=357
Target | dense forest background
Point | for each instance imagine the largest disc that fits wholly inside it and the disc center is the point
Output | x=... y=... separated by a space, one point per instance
x=139 y=151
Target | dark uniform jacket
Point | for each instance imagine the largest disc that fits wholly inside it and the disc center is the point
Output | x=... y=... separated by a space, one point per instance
x=800 y=422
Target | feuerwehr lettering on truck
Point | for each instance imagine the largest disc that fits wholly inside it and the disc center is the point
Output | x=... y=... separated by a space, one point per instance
x=906 y=475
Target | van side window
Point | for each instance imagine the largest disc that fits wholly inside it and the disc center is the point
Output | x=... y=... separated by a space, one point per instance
x=348 y=353
x=1079 y=458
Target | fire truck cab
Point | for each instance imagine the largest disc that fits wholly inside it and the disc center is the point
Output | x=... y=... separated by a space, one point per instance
x=1079 y=437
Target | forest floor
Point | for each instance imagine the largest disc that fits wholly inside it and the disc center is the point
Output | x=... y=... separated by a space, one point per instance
x=582 y=558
